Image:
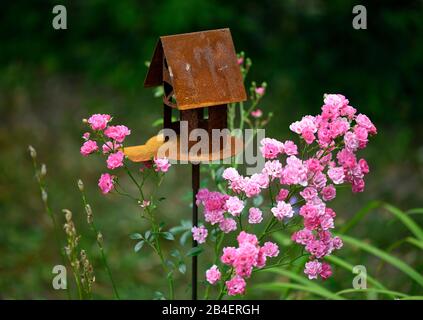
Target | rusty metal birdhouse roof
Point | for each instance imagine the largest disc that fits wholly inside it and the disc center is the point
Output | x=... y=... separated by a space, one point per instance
x=201 y=67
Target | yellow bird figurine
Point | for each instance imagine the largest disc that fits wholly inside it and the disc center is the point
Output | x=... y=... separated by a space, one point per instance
x=145 y=152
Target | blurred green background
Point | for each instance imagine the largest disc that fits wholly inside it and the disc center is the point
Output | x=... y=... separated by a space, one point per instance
x=51 y=79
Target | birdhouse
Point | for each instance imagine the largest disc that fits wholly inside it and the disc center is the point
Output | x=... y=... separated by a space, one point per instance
x=200 y=75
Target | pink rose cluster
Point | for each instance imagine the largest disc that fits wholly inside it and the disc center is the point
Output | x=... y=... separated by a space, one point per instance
x=242 y=260
x=332 y=139
x=100 y=125
x=219 y=209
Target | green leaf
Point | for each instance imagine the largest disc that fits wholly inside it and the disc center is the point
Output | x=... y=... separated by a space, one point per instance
x=175 y=253
x=159 y=296
x=178 y=229
x=157 y=122
x=306 y=282
x=412 y=298
x=186 y=224
x=277 y=287
x=219 y=173
x=194 y=251
x=184 y=237
x=170 y=264
x=359 y=216
x=413 y=241
x=135 y=236
x=387 y=292
x=147 y=235
x=139 y=246
x=406 y=220
x=415 y=211
x=168 y=236
x=348 y=266
x=182 y=267
x=397 y=263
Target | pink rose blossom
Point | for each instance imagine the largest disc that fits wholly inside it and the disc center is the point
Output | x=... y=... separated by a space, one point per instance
x=255 y=216
x=270 y=249
x=363 y=166
x=235 y=286
x=271 y=148
x=213 y=274
x=337 y=243
x=346 y=158
x=86 y=136
x=161 y=164
x=260 y=91
x=303 y=236
x=363 y=121
x=273 y=169
x=328 y=193
x=228 y=256
x=261 y=179
x=230 y=174
x=351 y=141
x=308 y=135
x=282 y=195
x=336 y=174
x=234 y=206
x=99 y=121
x=295 y=172
x=245 y=237
x=199 y=234
x=313 y=269
x=326 y=271
x=109 y=146
x=105 y=183
x=307 y=123
x=251 y=187
x=117 y=133
x=309 y=193
x=115 y=160
x=88 y=147
x=257 y=113
x=282 y=210
x=362 y=136
x=227 y=225
x=290 y=148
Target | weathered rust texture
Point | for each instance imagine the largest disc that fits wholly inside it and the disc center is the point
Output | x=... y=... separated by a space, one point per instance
x=202 y=67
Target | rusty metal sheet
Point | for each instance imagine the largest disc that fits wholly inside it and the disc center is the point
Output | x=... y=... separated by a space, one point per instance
x=154 y=76
x=203 y=68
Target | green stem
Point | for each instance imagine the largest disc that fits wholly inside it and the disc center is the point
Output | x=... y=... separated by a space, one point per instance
x=155 y=230
x=52 y=218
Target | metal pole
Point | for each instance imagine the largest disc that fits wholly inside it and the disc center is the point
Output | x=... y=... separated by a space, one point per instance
x=195 y=187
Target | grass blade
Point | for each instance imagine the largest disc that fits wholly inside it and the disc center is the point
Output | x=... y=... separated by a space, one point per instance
x=306 y=282
x=406 y=220
x=397 y=263
x=387 y=292
x=276 y=287
x=346 y=265
x=359 y=216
